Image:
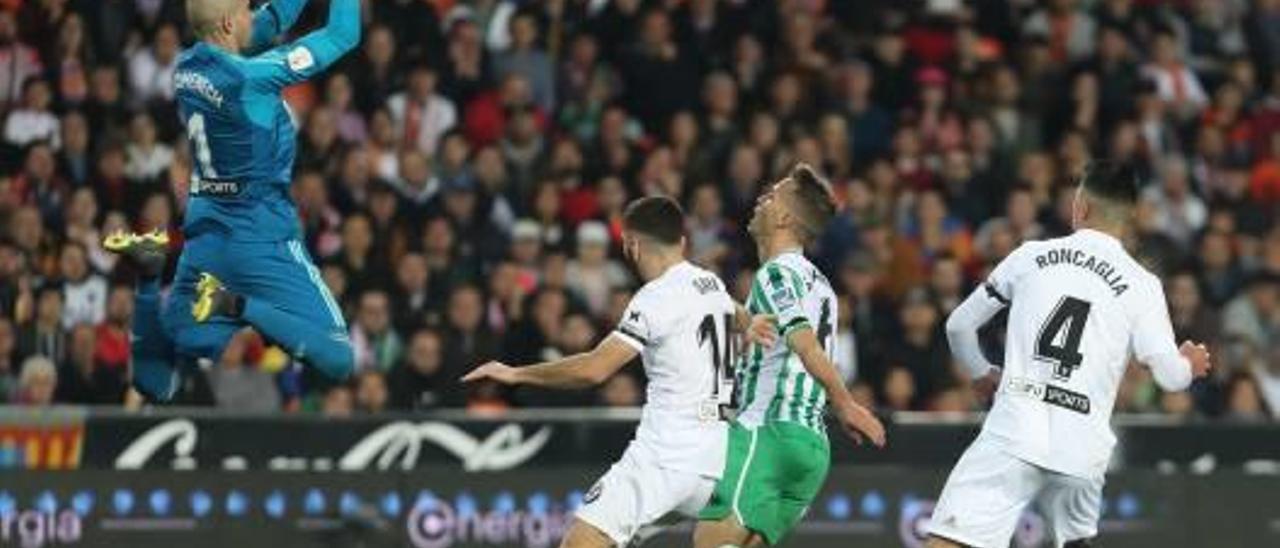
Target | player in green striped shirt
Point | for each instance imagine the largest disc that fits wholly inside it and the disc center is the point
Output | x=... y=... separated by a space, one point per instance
x=778 y=449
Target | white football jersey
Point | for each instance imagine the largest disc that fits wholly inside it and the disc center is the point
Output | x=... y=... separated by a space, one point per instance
x=773 y=384
x=1080 y=306
x=681 y=324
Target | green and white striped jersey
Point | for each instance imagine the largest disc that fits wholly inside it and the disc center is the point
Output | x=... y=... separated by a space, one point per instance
x=773 y=385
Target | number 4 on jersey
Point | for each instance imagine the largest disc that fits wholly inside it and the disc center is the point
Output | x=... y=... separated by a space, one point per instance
x=1059 y=340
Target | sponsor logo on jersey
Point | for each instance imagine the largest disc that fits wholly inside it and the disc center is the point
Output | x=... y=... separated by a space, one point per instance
x=1066 y=399
x=783 y=298
x=593 y=493
x=1048 y=393
x=205 y=187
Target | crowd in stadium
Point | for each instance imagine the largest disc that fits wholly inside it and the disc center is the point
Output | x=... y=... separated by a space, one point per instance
x=462 y=175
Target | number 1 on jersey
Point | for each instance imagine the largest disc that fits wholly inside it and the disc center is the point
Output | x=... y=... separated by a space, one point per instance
x=200 y=140
x=721 y=356
x=1059 y=339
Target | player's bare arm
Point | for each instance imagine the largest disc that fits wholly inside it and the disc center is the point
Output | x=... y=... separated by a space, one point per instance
x=576 y=371
x=857 y=420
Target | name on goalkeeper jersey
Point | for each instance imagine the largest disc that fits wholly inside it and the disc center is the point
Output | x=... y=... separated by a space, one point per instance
x=200 y=85
x=1081 y=259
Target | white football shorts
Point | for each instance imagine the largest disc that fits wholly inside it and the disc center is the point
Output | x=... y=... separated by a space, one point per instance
x=989 y=489
x=635 y=492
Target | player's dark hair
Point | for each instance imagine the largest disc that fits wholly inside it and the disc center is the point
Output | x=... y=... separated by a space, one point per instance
x=657 y=217
x=1112 y=181
x=814 y=203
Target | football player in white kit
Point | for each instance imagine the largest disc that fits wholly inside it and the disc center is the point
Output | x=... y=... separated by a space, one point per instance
x=1079 y=308
x=680 y=322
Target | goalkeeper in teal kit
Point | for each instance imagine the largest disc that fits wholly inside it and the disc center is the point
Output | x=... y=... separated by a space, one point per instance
x=243 y=262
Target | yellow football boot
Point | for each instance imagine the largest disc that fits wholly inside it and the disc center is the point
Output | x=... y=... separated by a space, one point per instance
x=148 y=250
x=210 y=298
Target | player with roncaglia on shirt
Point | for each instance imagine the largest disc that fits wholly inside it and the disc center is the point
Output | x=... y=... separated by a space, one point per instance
x=1080 y=307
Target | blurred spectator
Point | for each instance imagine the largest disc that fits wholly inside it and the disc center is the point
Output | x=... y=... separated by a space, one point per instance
x=146 y=160
x=84 y=291
x=339 y=98
x=74 y=158
x=1191 y=318
x=947 y=284
x=151 y=68
x=377 y=344
x=113 y=334
x=1244 y=400
x=33 y=120
x=413 y=300
x=39 y=184
x=371 y=392
x=82 y=379
x=592 y=274
x=657 y=71
x=1018 y=223
x=467 y=342
x=418 y=382
x=711 y=235
x=1254 y=316
x=1068 y=30
x=43 y=334
x=920 y=349
x=1181 y=214
x=1176 y=83
x=338 y=403
x=37 y=383
x=18 y=61
x=1220 y=271
x=899 y=390
x=420 y=114
x=8 y=370
x=69 y=60
x=240 y=385
x=106 y=108
x=524 y=57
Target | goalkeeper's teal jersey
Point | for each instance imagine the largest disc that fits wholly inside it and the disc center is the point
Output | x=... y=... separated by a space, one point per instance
x=241 y=133
x=773 y=385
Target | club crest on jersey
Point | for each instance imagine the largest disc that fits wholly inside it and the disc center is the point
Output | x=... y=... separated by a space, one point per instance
x=300 y=59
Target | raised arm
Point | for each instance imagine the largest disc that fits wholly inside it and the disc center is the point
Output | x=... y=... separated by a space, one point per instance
x=273 y=19
x=312 y=54
x=576 y=371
